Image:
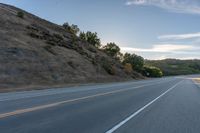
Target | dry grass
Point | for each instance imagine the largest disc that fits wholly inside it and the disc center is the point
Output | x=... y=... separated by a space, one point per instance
x=49 y=56
x=196 y=80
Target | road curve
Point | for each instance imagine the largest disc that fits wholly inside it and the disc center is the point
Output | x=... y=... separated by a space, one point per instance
x=167 y=105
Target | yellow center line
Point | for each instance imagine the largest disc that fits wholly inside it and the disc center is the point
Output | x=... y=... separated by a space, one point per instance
x=21 y=111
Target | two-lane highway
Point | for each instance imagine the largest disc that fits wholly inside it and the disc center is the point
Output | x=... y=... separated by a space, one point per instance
x=167 y=105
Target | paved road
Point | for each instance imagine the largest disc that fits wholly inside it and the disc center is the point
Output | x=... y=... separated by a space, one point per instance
x=166 y=105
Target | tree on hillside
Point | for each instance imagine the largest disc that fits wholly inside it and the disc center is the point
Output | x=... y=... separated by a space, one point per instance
x=151 y=71
x=91 y=38
x=82 y=36
x=120 y=57
x=136 y=61
x=71 y=28
x=112 y=49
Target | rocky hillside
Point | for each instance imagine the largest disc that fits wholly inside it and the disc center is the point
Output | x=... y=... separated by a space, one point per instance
x=35 y=53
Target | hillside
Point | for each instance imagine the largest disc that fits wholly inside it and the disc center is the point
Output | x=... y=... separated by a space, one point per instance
x=35 y=53
x=176 y=67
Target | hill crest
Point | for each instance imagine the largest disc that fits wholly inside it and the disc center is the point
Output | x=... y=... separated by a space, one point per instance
x=35 y=52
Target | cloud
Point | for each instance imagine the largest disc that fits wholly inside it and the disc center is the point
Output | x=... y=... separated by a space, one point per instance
x=180 y=36
x=137 y=2
x=178 y=6
x=165 y=48
x=160 y=51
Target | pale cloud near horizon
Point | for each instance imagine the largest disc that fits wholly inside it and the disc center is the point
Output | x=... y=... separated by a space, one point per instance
x=164 y=51
x=178 y=6
x=180 y=36
x=164 y=48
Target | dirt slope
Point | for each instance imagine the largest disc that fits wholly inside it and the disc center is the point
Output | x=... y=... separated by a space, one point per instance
x=35 y=52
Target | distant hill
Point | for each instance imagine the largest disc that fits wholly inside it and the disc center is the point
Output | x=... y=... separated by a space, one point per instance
x=35 y=52
x=176 y=67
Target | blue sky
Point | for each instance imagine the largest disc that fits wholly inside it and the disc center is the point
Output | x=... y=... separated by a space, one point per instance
x=154 y=29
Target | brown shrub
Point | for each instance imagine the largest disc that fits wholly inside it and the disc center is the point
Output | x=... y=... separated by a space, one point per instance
x=128 y=68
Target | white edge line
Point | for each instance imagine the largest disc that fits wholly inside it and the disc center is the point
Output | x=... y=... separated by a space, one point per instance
x=141 y=109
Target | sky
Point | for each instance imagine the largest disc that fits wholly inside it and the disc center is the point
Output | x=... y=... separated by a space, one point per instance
x=154 y=29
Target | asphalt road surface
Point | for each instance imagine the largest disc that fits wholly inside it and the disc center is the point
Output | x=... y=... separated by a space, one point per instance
x=165 y=105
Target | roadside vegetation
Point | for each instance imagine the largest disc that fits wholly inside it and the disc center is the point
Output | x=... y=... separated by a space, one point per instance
x=172 y=67
x=130 y=62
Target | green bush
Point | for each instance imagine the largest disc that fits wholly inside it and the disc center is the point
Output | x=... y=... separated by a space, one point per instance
x=91 y=38
x=20 y=14
x=136 y=61
x=151 y=71
x=71 y=28
x=112 y=49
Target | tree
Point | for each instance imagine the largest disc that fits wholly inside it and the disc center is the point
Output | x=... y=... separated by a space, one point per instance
x=120 y=57
x=112 y=49
x=136 y=61
x=82 y=36
x=91 y=38
x=151 y=71
x=71 y=28
x=75 y=29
